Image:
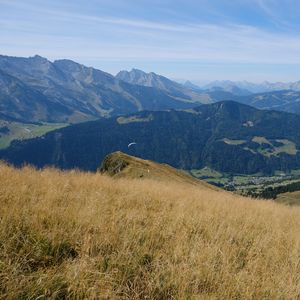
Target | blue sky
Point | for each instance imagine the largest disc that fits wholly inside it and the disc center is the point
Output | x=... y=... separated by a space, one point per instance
x=200 y=40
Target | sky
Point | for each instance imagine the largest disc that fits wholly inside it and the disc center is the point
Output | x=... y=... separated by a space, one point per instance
x=198 y=40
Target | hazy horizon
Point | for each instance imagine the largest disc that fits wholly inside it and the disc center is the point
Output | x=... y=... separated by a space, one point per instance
x=200 y=41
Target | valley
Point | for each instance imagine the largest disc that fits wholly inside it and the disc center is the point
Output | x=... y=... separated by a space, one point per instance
x=255 y=185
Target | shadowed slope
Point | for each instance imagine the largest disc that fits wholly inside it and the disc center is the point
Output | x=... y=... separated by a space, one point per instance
x=229 y=137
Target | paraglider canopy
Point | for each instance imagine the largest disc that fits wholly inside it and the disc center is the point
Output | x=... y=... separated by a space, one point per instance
x=130 y=144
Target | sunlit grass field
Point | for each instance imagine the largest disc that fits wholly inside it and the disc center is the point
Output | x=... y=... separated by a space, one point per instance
x=73 y=235
x=20 y=131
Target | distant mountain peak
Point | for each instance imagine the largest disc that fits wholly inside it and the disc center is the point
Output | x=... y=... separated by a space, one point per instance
x=38 y=57
x=67 y=64
x=191 y=85
x=263 y=87
x=137 y=76
x=151 y=79
x=181 y=91
x=134 y=70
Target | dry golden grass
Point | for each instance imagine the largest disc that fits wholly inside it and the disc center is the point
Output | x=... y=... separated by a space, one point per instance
x=122 y=165
x=88 y=236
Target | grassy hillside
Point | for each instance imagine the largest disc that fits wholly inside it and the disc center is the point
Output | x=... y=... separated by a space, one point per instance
x=122 y=165
x=83 y=235
x=290 y=198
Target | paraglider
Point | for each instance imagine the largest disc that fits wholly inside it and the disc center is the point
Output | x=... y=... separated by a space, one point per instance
x=131 y=144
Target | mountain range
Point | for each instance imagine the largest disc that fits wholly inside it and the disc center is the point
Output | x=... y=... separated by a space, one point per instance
x=37 y=90
x=286 y=100
x=273 y=96
x=283 y=97
x=151 y=79
x=225 y=136
x=241 y=88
